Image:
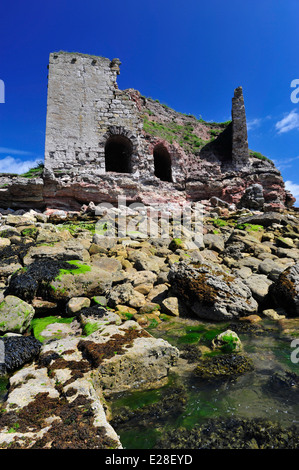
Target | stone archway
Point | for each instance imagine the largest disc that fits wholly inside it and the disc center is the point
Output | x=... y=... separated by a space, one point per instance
x=162 y=163
x=118 y=153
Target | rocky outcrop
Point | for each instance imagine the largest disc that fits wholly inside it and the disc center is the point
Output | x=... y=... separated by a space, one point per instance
x=285 y=291
x=211 y=293
x=100 y=308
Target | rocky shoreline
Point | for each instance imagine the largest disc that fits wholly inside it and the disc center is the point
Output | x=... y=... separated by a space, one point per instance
x=79 y=307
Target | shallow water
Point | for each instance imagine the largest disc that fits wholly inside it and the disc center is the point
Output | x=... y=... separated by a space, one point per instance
x=249 y=396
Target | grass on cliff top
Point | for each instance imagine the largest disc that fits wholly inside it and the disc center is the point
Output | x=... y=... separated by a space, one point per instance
x=173 y=132
x=35 y=171
x=191 y=116
x=260 y=156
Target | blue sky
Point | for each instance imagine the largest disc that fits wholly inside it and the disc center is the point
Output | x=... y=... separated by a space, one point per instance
x=190 y=55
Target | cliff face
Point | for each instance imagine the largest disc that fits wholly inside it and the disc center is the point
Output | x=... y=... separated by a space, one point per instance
x=102 y=143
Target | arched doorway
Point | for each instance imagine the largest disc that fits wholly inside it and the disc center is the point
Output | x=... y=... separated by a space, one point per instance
x=118 y=152
x=162 y=163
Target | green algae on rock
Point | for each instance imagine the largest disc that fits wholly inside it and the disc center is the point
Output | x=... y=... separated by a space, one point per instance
x=221 y=367
x=15 y=315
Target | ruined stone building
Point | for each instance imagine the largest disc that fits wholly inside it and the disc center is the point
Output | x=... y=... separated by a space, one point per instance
x=102 y=143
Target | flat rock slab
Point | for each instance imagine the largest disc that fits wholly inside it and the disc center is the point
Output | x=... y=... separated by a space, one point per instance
x=128 y=358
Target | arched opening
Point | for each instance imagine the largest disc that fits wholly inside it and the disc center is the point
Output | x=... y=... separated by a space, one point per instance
x=162 y=163
x=118 y=152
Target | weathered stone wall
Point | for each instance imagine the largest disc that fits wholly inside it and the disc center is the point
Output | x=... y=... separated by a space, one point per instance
x=102 y=143
x=84 y=109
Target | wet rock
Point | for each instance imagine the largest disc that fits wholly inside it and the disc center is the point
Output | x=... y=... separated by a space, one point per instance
x=128 y=358
x=191 y=353
x=227 y=366
x=18 y=350
x=227 y=341
x=284 y=385
x=251 y=319
x=172 y=402
x=15 y=314
x=231 y=433
x=211 y=293
x=34 y=280
x=285 y=291
x=274 y=314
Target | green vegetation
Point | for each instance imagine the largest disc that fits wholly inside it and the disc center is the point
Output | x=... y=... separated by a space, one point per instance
x=78 y=269
x=153 y=324
x=39 y=324
x=35 y=171
x=29 y=232
x=173 y=132
x=90 y=328
x=219 y=222
x=78 y=227
x=215 y=132
x=199 y=332
x=230 y=341
x=128 y=315
x=14 y=428
x=249 y=227
x=259 y=156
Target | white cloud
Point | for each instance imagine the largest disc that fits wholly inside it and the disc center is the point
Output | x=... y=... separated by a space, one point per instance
x=253 y=124
x=285 y=163
x=9 y=151
x=15 y=165
x=293 y=188
x=288 y=123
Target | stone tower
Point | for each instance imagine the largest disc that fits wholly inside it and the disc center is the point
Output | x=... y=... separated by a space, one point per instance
x=86 y=112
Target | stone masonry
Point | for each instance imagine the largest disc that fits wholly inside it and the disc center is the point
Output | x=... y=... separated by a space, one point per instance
x=102 y=143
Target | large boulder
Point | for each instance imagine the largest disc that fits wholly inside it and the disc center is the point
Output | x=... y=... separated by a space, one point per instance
x=128 y=358
x=15 y=314
x=285 y=291
x=211 y=293
x=80 y=280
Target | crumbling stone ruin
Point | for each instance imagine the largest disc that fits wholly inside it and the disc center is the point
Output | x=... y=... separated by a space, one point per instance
x=102 y=143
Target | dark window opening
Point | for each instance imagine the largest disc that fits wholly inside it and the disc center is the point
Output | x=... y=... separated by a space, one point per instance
x=118 y=152
x=162 y=162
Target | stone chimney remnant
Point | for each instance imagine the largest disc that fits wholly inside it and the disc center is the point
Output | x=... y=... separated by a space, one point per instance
x=240 y=152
